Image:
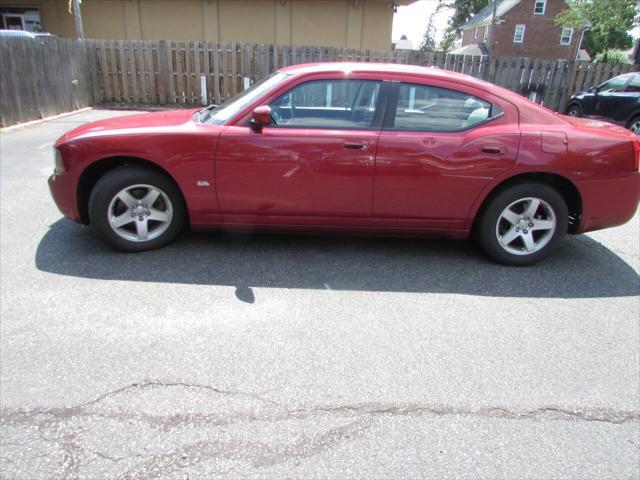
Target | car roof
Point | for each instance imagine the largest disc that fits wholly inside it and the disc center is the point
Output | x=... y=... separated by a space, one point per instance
x=16 y=33
x=435 y=73
x=397 y=68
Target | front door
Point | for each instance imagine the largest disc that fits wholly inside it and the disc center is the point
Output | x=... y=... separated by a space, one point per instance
x=611 y=98
x=438 y=149
x=313 y=164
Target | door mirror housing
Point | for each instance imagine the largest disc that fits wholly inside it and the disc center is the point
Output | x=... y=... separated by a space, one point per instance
x=593 y=90
x=261 y=116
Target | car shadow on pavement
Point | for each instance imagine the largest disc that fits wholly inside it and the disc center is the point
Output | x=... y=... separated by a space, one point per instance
x=580 y=268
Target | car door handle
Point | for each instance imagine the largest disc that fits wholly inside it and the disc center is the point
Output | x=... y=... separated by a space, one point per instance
x=492 y=149
x=355 y=145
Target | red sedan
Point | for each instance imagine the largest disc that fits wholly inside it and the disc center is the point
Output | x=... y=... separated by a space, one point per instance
x=358 y=148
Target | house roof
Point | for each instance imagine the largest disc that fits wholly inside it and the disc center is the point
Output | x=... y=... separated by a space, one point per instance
x=583 y=55
x=484 y=15
x=471 y=49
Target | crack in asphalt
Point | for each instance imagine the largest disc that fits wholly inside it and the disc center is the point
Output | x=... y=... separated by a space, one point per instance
x=55 y=426
x=561 y=413
x=258 y=454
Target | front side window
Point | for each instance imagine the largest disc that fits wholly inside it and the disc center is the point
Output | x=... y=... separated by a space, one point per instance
x=232 y=106
x=634 y=85
x=565 y=37
x=431 y=109
x=518 y=35
x=328 y=104
x=616 y=84
x=540 y=7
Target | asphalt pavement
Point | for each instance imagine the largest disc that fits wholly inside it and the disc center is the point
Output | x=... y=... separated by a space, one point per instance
x=279 y=356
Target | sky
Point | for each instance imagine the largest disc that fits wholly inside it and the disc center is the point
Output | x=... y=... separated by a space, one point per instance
x=411 y=20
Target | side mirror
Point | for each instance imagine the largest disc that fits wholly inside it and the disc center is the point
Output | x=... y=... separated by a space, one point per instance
x=261 y=116
x=593 y=90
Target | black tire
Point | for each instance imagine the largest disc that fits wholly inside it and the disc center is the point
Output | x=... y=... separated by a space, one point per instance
x=487 y=227
x=574 y=108
x=169 y=203
x=634 y=125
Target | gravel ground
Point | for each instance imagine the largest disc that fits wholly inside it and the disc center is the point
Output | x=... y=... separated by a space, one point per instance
x=306 y=357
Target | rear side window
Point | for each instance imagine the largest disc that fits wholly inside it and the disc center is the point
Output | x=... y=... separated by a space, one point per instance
x=349 y=104
x=425 y=108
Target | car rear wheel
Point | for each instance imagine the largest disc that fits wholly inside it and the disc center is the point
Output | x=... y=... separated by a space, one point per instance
x=136 y=209
x=523 y=224
x=634 y=125
x=574 y=110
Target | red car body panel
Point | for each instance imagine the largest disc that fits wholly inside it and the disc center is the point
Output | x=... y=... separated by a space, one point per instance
x=294 y=171
x=239 y=177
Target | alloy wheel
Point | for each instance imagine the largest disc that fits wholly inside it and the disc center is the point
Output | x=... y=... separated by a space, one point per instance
x=140 y=213
x=526 y=226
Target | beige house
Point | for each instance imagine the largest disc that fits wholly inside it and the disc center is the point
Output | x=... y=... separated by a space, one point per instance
x=337 y=23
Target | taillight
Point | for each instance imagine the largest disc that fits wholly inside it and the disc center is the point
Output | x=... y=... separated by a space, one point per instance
x=636 y=154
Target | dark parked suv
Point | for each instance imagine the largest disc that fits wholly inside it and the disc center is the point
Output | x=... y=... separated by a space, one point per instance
x=617 y=100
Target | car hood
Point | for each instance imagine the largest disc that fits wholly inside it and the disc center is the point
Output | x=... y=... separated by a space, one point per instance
x=149 y=123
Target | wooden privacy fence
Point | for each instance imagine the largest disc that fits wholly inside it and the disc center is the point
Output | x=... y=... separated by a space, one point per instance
x=42 y=78
x=168 y=72
x=39 y=78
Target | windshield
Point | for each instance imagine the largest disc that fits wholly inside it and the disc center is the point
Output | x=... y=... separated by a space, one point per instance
x=240 y=101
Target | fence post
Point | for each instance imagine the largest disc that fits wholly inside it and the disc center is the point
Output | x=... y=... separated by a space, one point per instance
x=163 y=68
x=92 y=65
x=567 y=88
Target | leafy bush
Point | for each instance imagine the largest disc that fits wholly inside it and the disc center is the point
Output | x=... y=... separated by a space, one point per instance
x=612 y=56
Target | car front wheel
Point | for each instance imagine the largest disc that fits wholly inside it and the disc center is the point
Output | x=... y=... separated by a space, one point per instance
x=136 y=209
x=523 y=224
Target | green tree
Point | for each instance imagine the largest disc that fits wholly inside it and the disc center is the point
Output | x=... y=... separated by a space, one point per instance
x=463 y=10
x=609 y=22
x=428 y=40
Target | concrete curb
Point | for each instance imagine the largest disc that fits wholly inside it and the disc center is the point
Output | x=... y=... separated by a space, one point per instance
x=41 y=120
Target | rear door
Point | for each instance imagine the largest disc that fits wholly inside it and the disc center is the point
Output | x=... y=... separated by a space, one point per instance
x=438 y=149
x=313 y=164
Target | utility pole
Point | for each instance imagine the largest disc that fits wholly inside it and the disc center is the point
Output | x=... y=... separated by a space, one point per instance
x=77 y=17
x=493 y=24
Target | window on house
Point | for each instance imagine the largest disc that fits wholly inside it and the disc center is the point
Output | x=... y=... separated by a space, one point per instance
x=565 y=37
x=518 y=35
x=485 y=37
x=540 y=7
x=475 y=34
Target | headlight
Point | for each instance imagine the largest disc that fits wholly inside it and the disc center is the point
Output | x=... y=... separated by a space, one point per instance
x=58 y=163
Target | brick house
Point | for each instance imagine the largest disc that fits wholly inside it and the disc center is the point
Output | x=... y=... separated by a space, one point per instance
x=523 y=28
